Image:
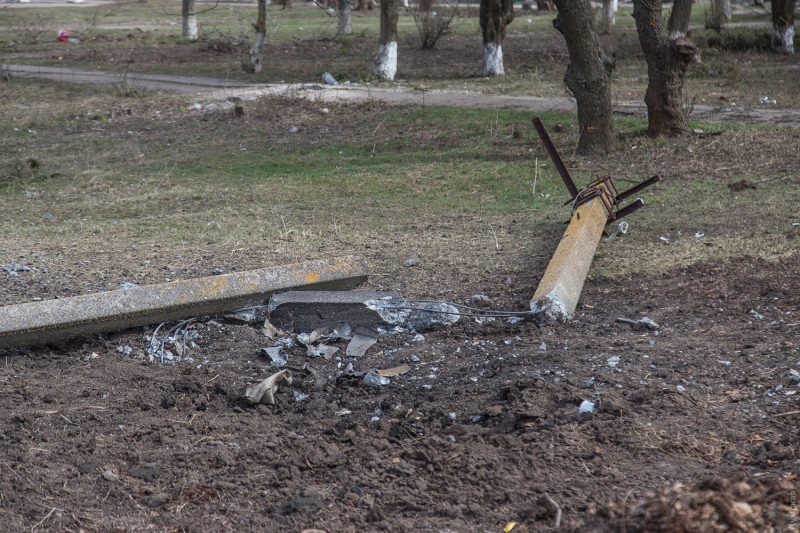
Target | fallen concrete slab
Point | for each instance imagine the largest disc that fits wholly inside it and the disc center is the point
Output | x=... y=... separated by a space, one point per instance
x=50 y=320
x=306 y=311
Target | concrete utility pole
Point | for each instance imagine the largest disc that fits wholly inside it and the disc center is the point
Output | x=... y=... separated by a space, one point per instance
x=50 y=320
x=558 y=292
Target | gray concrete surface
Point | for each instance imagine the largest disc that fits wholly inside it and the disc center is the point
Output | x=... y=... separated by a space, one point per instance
x=50 y=320
x=305 y=311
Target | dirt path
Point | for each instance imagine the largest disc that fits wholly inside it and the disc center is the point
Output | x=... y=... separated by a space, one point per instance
x=219 y=89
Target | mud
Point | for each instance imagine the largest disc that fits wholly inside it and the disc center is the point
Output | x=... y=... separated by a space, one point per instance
x=483 y=426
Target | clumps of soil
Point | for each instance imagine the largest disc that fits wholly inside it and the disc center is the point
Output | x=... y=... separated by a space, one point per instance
x=713 y=505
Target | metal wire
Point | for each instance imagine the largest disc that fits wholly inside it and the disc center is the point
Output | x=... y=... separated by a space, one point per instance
x=487 y=313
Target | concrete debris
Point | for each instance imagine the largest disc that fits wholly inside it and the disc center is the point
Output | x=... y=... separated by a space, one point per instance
x=268 y=330
x=265 y=391
x=11 y=269
x=275 y=355
x=638 y=325
x=241 y=317
x=373 y=379
x=311 y=310
x=299 y=396
x=329 y=80
x=433 y=315
x=411 y=261
x=322 y=350
x=363 y=340
x=586 y=407
x=613 y=361
x=479 y=298
x=50 y=320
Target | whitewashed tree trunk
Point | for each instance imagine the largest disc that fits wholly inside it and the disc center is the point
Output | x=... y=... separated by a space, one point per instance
x=494 y=16
x=492 y=60
x=385 y=65
x=189 y=20
x=783 y=40
x=783 y=26
x=345 y=18
x=257 y=50
x=723 y=9
x=386 y=60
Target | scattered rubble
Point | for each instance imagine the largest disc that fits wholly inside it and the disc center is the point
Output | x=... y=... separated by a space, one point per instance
x=265 y=391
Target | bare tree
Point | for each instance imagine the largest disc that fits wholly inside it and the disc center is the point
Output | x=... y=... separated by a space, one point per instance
x=668 y=60
x=495 y=15
x=257 y=50
x=386 y=61
x=189 y=20
x=678 y=25
x=783 y=26
x=608 y=17
x=588 y=76
x=345 y=25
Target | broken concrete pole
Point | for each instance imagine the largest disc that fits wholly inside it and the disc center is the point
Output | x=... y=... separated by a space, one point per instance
x=559 y=290
x=306 y=311
x=49 y=320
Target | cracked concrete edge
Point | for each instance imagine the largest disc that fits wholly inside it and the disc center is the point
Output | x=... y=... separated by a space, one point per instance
x=50 y=320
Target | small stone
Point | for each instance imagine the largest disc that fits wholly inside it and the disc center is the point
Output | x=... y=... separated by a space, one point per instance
x=411 y=261
x=613 y=361
x=329 y=79
x=293 y=129
x=373 y=379
x=48 y=216
x=216 y=271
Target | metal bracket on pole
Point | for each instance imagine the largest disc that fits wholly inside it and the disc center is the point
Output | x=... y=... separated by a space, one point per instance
x=593 y=208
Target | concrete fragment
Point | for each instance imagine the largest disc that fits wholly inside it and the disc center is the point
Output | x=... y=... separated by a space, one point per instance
x=363 y=339
x=307 y=311
x=265 y=391
x=50 y=320
x=558 y=292
x=433 y=315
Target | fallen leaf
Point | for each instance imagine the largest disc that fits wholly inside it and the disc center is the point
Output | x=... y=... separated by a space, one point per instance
x=396 y=371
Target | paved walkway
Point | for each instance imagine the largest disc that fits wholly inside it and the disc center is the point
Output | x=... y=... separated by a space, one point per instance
x=211 y=89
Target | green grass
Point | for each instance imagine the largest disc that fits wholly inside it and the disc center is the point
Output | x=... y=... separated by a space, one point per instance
x=450 y=184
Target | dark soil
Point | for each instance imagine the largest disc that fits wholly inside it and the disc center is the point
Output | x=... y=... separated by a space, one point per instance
x=95 y=440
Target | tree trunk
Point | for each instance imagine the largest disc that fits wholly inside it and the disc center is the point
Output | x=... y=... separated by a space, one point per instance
x=386 y=61
x=345 y=27
x=189 y=20
x=545 y=5
x=287 y=4
x=495 y=15
x=720 y=13
x=364 y=5
x=667 y=63
x=607 y=20
x=678 y=25
x=425 y=5
x=257 y=50
x=783 y=26
x=588 y=76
